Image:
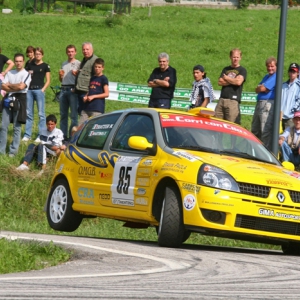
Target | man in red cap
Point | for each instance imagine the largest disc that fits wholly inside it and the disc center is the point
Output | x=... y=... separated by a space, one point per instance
x=289 y=96
x=289 y=141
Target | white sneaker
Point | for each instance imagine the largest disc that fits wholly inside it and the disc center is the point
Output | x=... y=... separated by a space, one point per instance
x=22 y=167
x=25 y=139
x=37 y=140
x=11 y=155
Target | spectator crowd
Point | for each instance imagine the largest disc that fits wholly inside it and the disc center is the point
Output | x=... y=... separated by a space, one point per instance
x=84 y=88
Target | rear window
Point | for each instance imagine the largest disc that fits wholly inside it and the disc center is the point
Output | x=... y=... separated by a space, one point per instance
x=95 y=133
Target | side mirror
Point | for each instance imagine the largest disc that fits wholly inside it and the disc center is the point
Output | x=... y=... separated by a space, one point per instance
x=139 y=143
x=288 y=165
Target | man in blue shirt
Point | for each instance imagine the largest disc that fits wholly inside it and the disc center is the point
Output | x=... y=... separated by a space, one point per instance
x=290 y=93
x=262 y=122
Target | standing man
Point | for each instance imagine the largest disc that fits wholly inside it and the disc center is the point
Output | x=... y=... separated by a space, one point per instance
x=68 y=98
x=5 y=60
x=231 y=79
x=162 y=81
x=15 y=83
x=290 y=94
x=262 y=122
x=85 y=73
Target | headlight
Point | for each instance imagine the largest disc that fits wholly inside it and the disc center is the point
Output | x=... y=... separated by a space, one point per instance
x=217 y=178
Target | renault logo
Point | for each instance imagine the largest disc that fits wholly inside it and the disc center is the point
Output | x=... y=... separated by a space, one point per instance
x=280 y=197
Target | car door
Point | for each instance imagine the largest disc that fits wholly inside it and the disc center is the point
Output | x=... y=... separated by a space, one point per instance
x=94 y=165
x=133 y=168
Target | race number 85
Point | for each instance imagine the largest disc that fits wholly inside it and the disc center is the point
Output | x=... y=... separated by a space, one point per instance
x=124 y=180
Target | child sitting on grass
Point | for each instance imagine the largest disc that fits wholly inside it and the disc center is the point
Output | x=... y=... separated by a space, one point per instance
x=51 y=144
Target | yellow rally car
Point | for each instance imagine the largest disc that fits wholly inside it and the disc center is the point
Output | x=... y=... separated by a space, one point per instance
x=181 y=172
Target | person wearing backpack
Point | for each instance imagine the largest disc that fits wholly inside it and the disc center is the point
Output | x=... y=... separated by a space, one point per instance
x=15 y=83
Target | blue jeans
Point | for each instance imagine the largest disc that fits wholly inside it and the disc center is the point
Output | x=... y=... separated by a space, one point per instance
x=6 y=117
x=80 y=101
x=39 y=97
x=160 y=103
x=288 y=155
x=68 y=99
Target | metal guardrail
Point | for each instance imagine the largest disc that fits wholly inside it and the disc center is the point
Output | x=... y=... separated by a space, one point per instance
x=136 y=93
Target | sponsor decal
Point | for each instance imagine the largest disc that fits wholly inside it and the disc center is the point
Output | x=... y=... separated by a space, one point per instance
x=173 y=167
x=104 y=126
x=185 y=155
x=216 y=192
x=293 y=174
x=141 y=191
x=192 y=188
x=59 y=170
x=147 y=162
x=203 y=123
x=189 y=202
x=143 y=172
x=142 y=181
x=104 y=196
x=141 y=201
x=164 y=116
x=87 y=171
x=277 y=214
x=97 y=133
x=278 y=182
x=85 y=193
x=125 y=202
x=218 y=203
x=88 y=202
x=230 y=158
x=105 y=175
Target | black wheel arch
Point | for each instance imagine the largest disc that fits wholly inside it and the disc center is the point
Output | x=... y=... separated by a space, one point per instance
x=159 y=195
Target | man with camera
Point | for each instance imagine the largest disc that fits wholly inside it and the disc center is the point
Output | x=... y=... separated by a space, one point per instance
x=289 y=141
x=15 y=83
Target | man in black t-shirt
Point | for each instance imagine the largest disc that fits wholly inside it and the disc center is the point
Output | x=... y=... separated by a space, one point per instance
x=162 y=81
x=231 y=79
x=5 y=60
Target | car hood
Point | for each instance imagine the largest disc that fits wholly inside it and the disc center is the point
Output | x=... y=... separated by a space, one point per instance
x=254 y=172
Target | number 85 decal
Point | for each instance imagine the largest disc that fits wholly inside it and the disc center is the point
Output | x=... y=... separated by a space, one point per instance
x=124 y=180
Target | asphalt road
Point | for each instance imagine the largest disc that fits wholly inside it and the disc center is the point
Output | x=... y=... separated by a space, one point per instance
x=118 y=269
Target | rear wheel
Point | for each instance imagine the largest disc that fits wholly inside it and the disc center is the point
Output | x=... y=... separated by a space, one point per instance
x=171 y=232
x=60 y=214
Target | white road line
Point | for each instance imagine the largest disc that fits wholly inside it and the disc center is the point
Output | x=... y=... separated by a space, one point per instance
x=169 y=265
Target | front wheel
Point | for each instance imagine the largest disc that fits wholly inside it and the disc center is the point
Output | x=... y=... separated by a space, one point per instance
x=171 y=230
x=60 y=214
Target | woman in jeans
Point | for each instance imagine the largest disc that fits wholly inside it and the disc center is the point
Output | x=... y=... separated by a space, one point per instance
x=36 y=92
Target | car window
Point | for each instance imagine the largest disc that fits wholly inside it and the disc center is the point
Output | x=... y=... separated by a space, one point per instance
x=96 y=131
x=217 y=142
x=133 y=125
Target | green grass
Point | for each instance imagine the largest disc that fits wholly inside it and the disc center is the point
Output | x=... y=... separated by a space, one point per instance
x=18 y=256
x=129 y=45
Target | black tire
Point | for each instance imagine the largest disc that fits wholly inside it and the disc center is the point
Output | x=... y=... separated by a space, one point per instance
x=171 y=230
x=60 y=214
x=292 y=248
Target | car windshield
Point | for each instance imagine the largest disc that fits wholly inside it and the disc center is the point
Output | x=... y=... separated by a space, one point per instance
x=214 y=136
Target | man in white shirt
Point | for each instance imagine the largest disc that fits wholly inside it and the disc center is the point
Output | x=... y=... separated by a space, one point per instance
x=15 y=83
